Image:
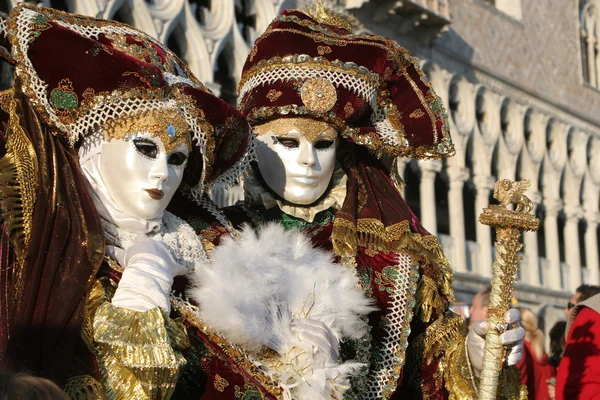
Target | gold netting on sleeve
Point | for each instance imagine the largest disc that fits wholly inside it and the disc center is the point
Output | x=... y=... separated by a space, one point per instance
x=18 y=182
x=441 y=334
x=463 y=385
x=433 y=292
x=135 y=353
x=458 y=376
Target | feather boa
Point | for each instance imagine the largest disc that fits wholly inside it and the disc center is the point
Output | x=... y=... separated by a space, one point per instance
x=254 y=286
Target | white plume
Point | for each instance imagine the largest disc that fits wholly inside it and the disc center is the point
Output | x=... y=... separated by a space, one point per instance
x=254 y=286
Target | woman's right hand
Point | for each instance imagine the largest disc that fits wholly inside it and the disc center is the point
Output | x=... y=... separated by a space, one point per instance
x=149 y=269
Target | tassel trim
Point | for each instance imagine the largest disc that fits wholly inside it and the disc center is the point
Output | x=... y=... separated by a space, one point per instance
x=433 y=293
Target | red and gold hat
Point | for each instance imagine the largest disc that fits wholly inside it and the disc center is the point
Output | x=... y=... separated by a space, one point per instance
x=369 y=87
x=85 y=75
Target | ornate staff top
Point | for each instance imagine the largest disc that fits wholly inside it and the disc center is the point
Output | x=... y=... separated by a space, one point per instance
x=508 y=224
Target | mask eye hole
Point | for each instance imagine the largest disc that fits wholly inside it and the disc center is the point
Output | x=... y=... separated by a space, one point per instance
x=146 y=146
x=324 y=144
x=290 y=143
x=178 y=158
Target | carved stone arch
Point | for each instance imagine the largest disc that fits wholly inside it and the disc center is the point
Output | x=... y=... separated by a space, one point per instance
x=589 y=21
x=535 y=127
x=132 y=12
x=462 y=104
x=63 y=5
x=487 y=108
x=167 y=16
x=593 y=159
x=198 y=53
x=556 y=143
x=577 y=151
x=176 y=41
x=550 y=182
x=512 y=116
x=224 y=73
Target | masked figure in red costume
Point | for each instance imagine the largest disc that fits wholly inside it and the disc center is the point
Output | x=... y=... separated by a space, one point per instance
x=327 y=106
x=108 y=139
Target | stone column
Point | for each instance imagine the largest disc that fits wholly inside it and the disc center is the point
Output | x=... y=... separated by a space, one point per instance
x=427 y=189
x=458 y=176
x=483 y=187
x=591 y=248
x=531 y=255
x=591 y=58
x=551 y=241
x=572 y=256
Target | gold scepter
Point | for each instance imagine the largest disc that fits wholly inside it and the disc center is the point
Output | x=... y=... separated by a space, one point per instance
x=508 y=224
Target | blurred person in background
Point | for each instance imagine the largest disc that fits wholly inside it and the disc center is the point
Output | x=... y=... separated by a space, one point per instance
x=536 y=371
x=578 y=375
x=479 y=308
x=22 y=386
x=558 y=342
x=582 y=293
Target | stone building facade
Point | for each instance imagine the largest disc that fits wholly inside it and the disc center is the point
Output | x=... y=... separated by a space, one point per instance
x=521 y=81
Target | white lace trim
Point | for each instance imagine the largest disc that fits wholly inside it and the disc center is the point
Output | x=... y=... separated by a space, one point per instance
x=364 y=85
x=383 y=379
x=178 y=235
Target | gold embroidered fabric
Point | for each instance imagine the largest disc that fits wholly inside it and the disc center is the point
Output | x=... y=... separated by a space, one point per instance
x=136 y=351
x=458 y=376
x=462 y=384
x=18 y=181
x=334 y=198
x=433 y=292
x=169 y=125
x=307 y=127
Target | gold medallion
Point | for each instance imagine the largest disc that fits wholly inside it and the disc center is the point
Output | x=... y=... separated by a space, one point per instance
x=318 y=95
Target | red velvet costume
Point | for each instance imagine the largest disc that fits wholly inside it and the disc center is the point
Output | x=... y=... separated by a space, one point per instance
x=578 y=374
x=535 y=374
x=368 y=87
x=54 y=274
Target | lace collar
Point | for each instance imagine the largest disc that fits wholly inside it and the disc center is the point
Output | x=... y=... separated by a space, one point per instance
x=334 y=198
x=178 y=235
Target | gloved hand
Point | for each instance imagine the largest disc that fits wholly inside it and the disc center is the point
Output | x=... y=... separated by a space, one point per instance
x=512 y=337
x=149 y=269
x=318 y=334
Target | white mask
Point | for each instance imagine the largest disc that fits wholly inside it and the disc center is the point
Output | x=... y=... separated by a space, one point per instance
x=296 y=158
x=139 y=174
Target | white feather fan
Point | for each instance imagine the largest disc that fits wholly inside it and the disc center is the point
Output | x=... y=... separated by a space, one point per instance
x=254 y=286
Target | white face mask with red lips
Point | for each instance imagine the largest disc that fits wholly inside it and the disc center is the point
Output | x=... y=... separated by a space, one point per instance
x=140 y=176
x=297 y=165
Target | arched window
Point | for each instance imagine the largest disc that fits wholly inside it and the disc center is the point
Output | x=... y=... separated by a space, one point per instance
x=590 y=41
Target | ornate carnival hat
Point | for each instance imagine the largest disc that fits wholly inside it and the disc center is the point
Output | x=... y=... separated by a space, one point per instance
x=311 y=64
x=83 y=74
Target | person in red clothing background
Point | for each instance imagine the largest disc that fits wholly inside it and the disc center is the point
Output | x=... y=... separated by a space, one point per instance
x=579 y=371
x=535 y=366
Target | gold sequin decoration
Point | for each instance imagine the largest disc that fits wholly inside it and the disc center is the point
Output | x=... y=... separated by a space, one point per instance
x=322 y=50
x=348 y=109
x=220 y=383
x=318 y=94
x=307 y=127
x=18 y=181
x=168 y=125
x=135 y=352
x=418 y=113
x=321 y=14
x=273 y=95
